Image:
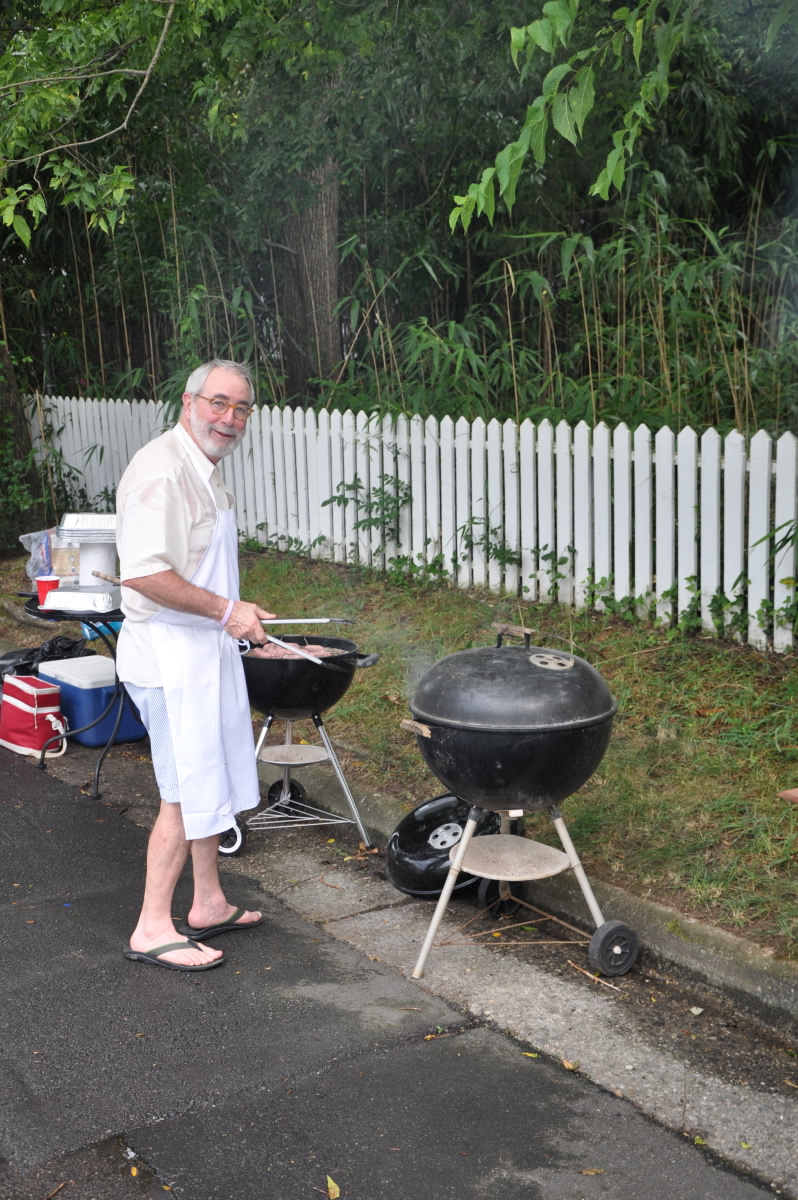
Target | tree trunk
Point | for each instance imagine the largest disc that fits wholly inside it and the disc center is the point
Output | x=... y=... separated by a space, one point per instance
x=312 y=334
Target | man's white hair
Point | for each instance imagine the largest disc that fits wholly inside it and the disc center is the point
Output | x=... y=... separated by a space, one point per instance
x=197 y=378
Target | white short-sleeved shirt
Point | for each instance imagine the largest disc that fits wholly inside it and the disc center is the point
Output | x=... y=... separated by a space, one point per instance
x=165 y=519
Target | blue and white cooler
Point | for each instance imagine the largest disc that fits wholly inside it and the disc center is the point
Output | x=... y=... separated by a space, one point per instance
x=87 y=686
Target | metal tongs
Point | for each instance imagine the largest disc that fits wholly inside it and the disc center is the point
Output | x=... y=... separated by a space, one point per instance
x=300 y=621
x=295 y=649
x=308 y=621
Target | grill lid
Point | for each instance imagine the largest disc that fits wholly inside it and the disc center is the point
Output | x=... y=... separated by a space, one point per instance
x=513 y=689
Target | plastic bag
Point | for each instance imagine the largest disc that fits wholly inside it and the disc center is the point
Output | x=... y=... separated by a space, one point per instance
x=38 y=547
x=26 y=662
x=16 y=662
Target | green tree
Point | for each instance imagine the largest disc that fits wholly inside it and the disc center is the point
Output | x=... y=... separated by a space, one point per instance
x=572 y=56
x=284 y=181
x=255 y=148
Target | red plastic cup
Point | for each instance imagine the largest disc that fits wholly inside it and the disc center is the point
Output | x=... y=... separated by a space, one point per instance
x=45 y=584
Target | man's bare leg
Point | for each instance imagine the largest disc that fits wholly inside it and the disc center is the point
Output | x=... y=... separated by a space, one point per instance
x=166 y=855
x=210 y=906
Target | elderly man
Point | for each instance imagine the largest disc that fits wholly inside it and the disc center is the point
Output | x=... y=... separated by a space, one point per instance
x=179 y=660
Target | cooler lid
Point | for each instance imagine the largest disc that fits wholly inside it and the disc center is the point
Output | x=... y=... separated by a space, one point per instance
x=91 y=671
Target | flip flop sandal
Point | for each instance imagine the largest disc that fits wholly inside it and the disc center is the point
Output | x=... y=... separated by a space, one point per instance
x=153 y=956
x=228 y=926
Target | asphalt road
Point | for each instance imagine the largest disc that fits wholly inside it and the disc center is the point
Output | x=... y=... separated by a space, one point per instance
x=309 y=1057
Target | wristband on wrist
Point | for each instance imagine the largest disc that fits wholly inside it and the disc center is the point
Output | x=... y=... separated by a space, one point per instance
x=227 y=612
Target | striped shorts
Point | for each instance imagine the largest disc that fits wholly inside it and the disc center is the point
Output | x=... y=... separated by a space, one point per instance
x=151 y=703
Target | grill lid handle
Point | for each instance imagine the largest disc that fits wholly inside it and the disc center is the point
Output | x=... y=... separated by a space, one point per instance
x=416 y=727
x=503 y=631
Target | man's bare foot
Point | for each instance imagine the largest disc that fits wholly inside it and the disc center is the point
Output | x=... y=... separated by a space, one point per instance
x=195 y=955
x=207 y=922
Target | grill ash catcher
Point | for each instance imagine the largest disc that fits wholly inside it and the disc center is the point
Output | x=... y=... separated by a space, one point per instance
x=298 y=688
x=508 y=730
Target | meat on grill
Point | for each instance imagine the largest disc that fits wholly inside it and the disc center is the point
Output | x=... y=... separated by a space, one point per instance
x=272 y=651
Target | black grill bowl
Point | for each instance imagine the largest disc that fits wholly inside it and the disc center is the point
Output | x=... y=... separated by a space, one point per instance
x=514 y=770
x=293 y=689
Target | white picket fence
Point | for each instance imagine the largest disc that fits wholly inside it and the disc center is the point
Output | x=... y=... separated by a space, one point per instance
x=671 y=520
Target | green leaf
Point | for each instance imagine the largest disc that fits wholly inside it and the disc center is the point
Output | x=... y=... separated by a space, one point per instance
x=540 y=33
x=428 y=267
x=517 y=42
x=614 y=170
x=552 y=81
x=567 y=253
x=463 y=211
x=562 y=118
x=21 y=229
x=486 y=199
x=784 y=13
x=582 y=96
x=561 y=15
x=508 y=166
x=637 y=42
x=538 y=126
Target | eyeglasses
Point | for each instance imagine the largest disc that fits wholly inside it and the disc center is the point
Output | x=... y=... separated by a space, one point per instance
x=240 y=411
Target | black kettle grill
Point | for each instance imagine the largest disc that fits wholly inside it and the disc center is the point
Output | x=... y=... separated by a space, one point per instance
x=509 y=729
x=290 y=689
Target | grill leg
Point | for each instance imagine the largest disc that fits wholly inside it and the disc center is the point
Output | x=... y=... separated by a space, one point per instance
x=342 y=780
x=576 y=866
x=448 y=887
x=267 y=724
x=288 y=741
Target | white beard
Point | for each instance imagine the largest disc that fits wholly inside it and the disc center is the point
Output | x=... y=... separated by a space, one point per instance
x=209 y=443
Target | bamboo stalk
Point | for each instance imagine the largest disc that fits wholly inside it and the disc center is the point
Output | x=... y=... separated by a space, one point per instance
x=588 y=351
x=96 y=299
x=146 y=295
x=128 y=356
x=508 y=272
x=79 y=295
x=277 y=313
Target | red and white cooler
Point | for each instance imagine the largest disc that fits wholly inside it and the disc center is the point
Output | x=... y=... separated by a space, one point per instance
x=30 y=715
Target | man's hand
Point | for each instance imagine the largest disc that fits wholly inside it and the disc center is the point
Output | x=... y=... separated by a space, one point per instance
x=245 y=622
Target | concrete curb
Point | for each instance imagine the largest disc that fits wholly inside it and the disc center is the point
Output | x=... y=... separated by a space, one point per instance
x=751 y=974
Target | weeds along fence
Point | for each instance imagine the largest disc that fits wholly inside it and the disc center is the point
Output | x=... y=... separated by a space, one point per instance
x=678 y=526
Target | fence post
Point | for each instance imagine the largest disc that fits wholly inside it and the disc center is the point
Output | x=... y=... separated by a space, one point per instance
x=786 y=514
x=759 y=496
x=664 y=517
x=583 y=498
x=686 y=518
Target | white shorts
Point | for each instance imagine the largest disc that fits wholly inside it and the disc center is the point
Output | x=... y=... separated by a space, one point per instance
x=151 y=703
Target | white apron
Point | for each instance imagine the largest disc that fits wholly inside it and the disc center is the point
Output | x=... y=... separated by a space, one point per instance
x=206 y=698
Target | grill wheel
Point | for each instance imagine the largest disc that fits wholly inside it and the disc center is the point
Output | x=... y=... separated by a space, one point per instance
x=488 y=897
x=613 y=948
x=231 y=842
